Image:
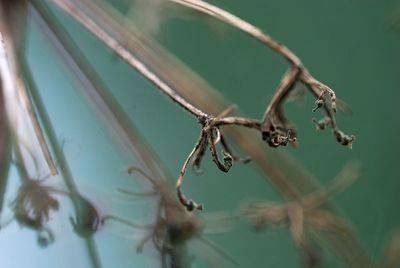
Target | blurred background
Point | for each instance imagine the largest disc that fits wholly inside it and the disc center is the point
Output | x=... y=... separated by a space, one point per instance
x=352 y=46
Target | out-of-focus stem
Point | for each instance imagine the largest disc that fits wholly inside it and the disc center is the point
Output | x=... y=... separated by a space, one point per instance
x=77 y=14
x=12 y=20
x=4 y=147
x=92 y=86
x=60 y=157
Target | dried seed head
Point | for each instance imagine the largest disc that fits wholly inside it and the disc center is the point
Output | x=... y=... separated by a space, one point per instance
x=33 y=204
x=278 y=138
x=346 y=140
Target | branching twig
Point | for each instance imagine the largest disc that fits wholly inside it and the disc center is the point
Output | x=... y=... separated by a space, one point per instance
x=210 y=124
x=211 y=135
x=275 y=129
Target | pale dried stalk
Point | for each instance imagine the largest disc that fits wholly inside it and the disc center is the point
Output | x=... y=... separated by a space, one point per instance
x=90 y=25
x=91 y=84
x=12 y=33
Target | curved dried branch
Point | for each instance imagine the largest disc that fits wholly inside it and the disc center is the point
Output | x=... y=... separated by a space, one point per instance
x=275 y=128
x=274 y=131
x=189 y=204
x=207 y=138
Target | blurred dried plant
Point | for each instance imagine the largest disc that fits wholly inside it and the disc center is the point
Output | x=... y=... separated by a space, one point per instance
x=173 y=227
x=33 y=205
x=391 y=254
x=307 y=213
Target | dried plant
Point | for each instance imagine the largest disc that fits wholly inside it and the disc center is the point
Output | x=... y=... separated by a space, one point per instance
x=32 y=207
x=4 y=148
x=307 y=213
x=87 y=219
x=391 y=254
x=34 y=201
x=173 y=226
x=304 y=214
x=274 y=127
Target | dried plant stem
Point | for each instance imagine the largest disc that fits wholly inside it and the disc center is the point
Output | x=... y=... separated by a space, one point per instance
x=64 y=167
x=246 y=27
x=189 y=204
x=210 y=123
x=284 y=173
x=4 y=131
x=12 y=28
x=4 y=147
x=113 y=44
x=288 y=177
x=275 y=129
x=91 y=84
x=90 y=25
x=222 y=15
x=37 y=129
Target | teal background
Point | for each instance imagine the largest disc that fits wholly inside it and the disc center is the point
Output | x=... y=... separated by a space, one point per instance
x=350 y=45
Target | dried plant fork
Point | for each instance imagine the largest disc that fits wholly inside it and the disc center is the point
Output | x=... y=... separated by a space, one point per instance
x=275 y=128
x=200 y=93
x=210 y=136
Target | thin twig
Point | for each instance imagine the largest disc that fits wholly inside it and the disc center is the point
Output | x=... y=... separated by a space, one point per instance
x=189 y=204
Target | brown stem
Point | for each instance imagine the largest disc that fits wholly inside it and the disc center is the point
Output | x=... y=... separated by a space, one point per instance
x=244 y=26
x=288 y=81
x=297 y=73
x=189 y=204
x=107 y=39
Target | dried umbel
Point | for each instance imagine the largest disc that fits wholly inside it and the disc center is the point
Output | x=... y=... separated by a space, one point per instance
x=86 y=220
x=173 y=225
x=173 y=228
x=32 y=208
x=210 y=136
x=33 y=204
